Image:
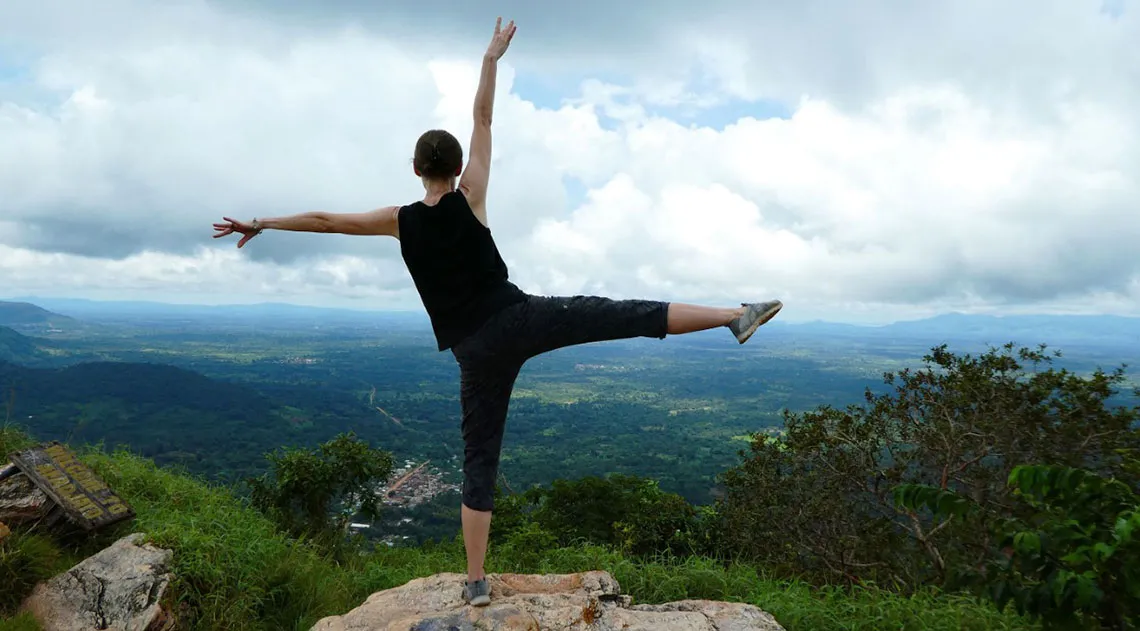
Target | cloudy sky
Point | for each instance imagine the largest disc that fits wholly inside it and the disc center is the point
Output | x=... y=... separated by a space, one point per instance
x=863 y=161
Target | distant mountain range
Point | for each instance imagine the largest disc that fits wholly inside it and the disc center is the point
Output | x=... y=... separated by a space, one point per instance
x=94 y=311
x=1098 y=330
x=1087 y=330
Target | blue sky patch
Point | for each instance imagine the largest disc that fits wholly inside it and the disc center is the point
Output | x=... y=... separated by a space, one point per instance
x=575 y=192
x=551 y=92
x=1112 y=7
x=10 y=71
x=725 y=114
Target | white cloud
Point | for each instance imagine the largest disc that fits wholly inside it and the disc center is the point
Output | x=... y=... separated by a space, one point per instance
x=906 y=181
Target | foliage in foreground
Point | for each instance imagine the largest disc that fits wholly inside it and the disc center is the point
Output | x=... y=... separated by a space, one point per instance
x=818 y=502
x=1072 y=562
x=235 y=569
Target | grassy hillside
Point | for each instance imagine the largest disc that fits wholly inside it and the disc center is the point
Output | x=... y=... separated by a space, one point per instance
x=235 y=570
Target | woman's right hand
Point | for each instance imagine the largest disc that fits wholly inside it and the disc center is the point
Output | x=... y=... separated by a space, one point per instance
x=501 y=40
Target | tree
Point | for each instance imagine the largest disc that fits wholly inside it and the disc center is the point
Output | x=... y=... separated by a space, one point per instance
x=314 y=491
x=818 y=500
x=624 y=511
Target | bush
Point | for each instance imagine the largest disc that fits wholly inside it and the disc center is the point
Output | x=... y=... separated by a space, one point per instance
x=628 y=512
x=817 y=503
x=314 y=492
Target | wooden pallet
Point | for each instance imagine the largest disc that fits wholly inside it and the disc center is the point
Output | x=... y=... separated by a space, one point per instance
x=84 y=499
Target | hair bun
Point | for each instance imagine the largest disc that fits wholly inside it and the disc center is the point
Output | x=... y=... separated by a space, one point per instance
x=438 y=155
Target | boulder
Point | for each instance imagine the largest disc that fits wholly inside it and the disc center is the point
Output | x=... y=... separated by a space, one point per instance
x=557 y=602
x=118 y=589
x=21 y=500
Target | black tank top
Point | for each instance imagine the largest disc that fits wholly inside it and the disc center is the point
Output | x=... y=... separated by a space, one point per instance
x=455 y=266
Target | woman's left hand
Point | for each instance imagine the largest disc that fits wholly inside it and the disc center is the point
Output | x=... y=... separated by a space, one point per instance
x=230 y=226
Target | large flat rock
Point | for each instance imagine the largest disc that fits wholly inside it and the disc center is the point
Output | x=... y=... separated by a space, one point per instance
x=555 y=602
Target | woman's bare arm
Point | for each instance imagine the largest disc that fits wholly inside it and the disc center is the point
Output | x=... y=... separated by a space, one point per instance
x=476 y=176
x=383 y=221
x=377 y=222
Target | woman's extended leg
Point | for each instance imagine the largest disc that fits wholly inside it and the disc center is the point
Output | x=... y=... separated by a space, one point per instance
x=742 y=321
x=684 y=318
x=552 y=323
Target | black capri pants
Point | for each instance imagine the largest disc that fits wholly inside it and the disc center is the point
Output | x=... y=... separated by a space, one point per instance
x=490 y=360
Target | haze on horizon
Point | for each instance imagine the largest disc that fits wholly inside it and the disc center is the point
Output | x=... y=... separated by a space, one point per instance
x=861 y=162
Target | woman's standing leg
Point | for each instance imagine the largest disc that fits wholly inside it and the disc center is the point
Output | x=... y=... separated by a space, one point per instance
x=485 y=393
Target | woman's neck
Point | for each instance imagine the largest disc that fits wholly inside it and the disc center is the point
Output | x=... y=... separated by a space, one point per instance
x=435 y=189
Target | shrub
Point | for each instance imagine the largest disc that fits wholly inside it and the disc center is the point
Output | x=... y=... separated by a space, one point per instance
x=817 y=502
x=314 y=492
x=628 y=512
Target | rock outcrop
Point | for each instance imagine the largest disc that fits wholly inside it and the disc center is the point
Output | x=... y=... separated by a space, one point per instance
x=579 y=602
x=117 y=589
x=20 y=499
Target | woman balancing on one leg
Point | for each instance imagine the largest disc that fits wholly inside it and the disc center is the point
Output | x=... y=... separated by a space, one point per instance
x=489 y=324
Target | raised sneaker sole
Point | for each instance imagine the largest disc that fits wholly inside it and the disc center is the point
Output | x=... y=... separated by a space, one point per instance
x=764 y=317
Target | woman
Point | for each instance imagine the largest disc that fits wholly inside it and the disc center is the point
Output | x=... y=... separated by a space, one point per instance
x=489 y=324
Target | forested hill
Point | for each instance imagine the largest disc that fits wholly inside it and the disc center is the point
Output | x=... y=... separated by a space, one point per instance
x=149 y=386
x=24 y=313
x=15 y=347
x=163 y=411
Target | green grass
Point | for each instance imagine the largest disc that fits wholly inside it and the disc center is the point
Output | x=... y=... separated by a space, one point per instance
x=22 y=622
x=26 y=559
x=234 y=570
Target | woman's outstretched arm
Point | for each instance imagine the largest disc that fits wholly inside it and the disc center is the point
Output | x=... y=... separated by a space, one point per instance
x=475 y=177
x=383 y=221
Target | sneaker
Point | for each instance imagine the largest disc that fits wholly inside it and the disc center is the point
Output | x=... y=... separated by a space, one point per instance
x=478 y=593
x=756 y=313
